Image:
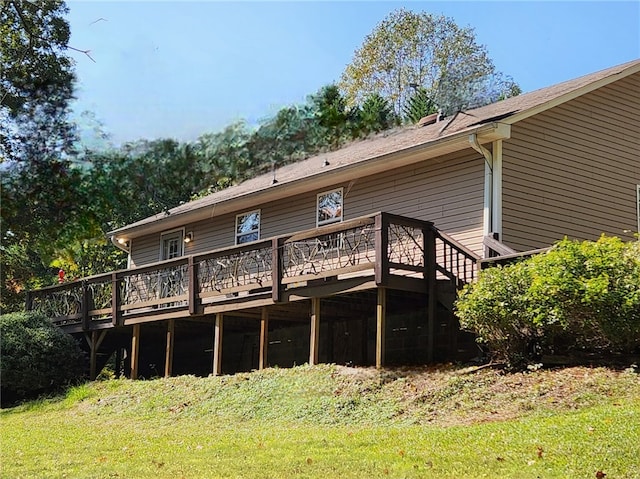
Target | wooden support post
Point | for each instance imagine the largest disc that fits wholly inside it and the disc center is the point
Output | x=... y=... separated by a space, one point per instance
x=264 y=338
x=315 y=331
x=381 y=247
x=94 y=344
x=115 y=299
x=84 y=308
x=118 y=362
x=168 y=356
x=92 y=355
x=276 y=270
x=381 y=311
x=194 y=288
x=432 y=293
x=135 y=350
x=29 y=301
x=365 y=341
x=217 y=345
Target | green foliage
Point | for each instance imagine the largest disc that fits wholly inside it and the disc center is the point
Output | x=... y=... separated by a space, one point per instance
x=288 y=136
x=41 y=189
x=418 y=106
x=375 y=115
x=578 y=296
x=409 y=48
x=37 y=357
x=36 y=80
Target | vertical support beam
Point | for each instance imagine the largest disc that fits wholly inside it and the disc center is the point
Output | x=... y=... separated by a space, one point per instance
x=118 y=362
x=29 y=301
x=115 y=299
x=330 y=341
x=432 y=293
x=487 y=199
x=84 y=308
x=94 y=341
x=264 y=338
x=382 y=247
x=276 y=269
x=217 y=345
x=365 y=341
x=168 y=355
x=135 y=350
x=496 y=204
x=194 y=287
x=381 y=312
x=93 y=355
x=315 y=331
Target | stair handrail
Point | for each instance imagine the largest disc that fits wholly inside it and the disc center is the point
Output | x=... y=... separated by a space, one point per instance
x=464 y=273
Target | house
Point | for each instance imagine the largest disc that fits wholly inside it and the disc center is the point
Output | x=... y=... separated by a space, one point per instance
x=354 y=256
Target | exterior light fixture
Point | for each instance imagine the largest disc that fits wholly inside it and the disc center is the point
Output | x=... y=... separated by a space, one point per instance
x=188 y=238
x=122 y=241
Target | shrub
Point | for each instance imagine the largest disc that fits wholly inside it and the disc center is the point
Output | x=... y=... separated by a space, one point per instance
x=37 y=357
x=579 y=295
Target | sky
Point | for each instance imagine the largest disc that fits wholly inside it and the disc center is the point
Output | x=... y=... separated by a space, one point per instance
x=177 y=69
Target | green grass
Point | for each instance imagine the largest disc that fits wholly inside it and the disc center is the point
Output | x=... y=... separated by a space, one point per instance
x=327 y=421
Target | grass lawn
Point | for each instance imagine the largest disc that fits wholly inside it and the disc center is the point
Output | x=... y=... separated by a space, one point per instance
x=328 y=421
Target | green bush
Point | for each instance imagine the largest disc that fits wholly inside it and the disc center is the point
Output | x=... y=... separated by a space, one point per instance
x=37 y=357
x=577 y=296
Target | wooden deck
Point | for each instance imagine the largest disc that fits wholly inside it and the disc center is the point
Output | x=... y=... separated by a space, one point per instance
x=377 y=252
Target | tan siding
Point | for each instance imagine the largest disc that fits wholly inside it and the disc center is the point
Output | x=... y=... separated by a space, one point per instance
x=145 y=250
x=447 y=191
x=573 y=169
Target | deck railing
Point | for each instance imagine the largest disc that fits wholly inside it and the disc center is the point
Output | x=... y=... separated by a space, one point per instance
x=385 y=246
x=454 y=261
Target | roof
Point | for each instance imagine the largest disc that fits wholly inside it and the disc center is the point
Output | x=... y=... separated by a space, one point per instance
x=381 y=152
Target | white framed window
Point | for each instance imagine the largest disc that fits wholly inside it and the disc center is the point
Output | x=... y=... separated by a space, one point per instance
x=248 y=227
x=172 y=244
x=329 y=207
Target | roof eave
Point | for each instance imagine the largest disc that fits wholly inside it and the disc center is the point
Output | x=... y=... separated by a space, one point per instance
x=573 y=94
x=447 y=144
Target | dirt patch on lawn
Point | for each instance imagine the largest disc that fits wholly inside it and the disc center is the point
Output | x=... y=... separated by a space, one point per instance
x=450 y=395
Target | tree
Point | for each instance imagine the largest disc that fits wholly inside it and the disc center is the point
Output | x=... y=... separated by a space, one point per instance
x=286 y=137
x=36 y=80
x=418 y=106
x=224 y=156
x=429 y=51
x=375 y=115
x=41 y=195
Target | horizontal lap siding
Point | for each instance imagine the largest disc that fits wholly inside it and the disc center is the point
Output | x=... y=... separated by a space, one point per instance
x=572 y=171
x=447 y=191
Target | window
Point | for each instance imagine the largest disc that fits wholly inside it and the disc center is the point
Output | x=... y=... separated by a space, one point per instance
x=248 y=227
x=329 y=207
x=171 y=244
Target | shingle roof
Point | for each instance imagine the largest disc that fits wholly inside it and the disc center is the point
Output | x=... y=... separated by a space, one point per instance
x=507 y=111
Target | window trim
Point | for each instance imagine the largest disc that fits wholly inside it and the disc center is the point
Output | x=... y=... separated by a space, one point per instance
x=180 y=233
x=332 y=220
x=247 y=213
